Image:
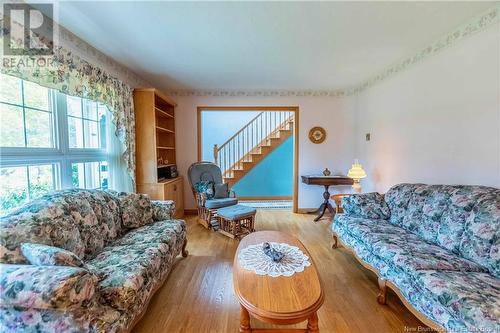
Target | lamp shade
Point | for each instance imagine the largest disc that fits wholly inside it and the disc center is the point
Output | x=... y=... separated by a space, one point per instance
x=356 y=171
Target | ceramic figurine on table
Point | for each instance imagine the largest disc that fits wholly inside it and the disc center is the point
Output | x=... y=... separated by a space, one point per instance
x=275 y=255
x=326 y=172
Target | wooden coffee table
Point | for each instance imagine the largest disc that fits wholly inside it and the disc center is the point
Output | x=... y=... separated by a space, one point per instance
x=277 y=300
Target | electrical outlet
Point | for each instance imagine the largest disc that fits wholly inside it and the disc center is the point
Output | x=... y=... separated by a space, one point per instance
x=368 y=136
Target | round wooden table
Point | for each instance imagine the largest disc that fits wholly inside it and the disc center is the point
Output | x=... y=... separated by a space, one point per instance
x=277 y=300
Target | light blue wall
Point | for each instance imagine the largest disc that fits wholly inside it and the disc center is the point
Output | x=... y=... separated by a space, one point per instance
x=218 y=126
x=271 y=177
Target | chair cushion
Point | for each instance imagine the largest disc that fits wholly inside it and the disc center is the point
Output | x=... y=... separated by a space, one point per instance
x=469 y=297
x=236 y=212
x=219 y=203
x=45 y=255
x=221 y=191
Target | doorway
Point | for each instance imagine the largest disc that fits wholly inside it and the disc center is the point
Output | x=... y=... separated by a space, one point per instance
x=256 y=149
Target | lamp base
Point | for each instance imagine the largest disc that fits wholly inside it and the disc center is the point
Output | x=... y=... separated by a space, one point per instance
x=356 y=186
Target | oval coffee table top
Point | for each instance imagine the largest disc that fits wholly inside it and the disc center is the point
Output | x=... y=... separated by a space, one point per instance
x=277 y=297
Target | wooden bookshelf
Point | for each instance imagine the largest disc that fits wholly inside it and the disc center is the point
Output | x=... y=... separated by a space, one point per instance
x=155 y=145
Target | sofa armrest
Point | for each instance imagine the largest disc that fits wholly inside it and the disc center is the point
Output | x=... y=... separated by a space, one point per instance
x=163 y=209
x=45 y=287
x=366 y=205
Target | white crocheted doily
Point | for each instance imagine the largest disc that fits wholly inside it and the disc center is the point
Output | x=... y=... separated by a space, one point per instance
x=254 y=259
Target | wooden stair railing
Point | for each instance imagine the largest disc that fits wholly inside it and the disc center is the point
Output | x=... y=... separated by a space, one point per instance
x=252 y=143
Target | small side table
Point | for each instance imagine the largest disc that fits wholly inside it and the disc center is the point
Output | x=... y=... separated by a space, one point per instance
x=337 y=198
x=326 y=181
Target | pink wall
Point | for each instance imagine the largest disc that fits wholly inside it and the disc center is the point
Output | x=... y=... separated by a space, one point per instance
x=336 y=115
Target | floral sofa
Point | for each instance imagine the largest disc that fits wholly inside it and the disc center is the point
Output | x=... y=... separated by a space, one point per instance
x=84 y=260
x=437 y=246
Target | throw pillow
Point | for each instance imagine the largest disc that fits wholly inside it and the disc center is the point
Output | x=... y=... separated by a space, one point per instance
x=206 y=187
x=221 y=191
x=46 y=255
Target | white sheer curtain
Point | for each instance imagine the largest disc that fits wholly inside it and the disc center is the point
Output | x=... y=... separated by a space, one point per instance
x=119 y=178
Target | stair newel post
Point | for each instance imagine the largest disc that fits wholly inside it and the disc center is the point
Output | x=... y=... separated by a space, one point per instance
x=216 y=154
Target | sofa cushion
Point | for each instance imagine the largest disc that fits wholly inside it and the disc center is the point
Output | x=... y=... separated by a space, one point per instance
x=92 y=232
x=45 y=255
x=401 y=248
x=481 y=240
x=361 y=227
x=470 y=297
x=129 y=272
x=136 y=209
x=106 y=207
x=437 y=213
x=170 y=232
x=398 y=198
x=219 y=203
x=411 y=255
x=44 y=221
x=367 y=205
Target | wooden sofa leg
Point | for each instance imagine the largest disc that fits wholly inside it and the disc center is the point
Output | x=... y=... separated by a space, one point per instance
x=382 y=295
x=335 y=242
x=185 y=252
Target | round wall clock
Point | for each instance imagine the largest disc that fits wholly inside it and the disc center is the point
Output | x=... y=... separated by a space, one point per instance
x=317 y=134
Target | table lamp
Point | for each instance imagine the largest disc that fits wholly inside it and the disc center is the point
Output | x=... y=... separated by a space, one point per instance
x=356 y=172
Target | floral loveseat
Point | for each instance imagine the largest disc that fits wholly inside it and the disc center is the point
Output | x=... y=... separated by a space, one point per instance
x=104 y=256
x=437 y=246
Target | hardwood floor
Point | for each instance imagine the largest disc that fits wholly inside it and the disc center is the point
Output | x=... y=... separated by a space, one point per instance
x=198 y=295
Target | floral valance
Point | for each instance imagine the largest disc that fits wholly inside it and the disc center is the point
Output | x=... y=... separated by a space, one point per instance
x=71 y=75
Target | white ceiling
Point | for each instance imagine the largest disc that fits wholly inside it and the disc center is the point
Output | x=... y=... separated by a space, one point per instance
x=261 y=45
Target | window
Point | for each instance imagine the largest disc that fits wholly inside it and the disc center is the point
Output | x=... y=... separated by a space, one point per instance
x=48 y=141
x=91 y=175
x=27 y=114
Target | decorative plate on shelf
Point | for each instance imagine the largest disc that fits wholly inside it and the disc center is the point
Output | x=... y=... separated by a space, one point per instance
x=317 y=134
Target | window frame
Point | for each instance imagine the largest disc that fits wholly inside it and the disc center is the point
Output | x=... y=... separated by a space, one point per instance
x=61 y=155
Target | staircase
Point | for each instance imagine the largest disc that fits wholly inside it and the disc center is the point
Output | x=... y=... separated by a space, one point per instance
x=253 y=143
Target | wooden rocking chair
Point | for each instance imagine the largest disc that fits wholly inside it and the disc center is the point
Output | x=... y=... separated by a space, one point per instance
x=207 y=208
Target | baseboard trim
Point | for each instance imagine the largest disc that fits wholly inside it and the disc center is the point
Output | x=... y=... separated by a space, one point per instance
x=306 y=210
x=190 y=211
x=278 y=197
